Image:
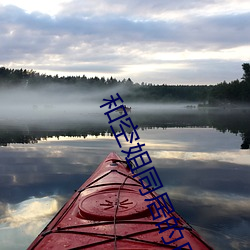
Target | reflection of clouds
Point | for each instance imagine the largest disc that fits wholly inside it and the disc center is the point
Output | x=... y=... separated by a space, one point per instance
x=190 y=139
x=236 y=157
x=29 y=212
x=14 y=179
x=25 y=220
x=52 y=167
x=106 y=136
x=209 y=187
x=150 y=145
x=221 y=241
x=57 y=157
x=222 y=219
x=228 y=203
x=2 y=209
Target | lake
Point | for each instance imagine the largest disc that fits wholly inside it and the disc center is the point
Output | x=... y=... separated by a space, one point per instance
x=202 y=156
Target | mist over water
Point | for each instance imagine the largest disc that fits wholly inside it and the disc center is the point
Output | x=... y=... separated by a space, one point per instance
x=55 y=102
x=60 y=102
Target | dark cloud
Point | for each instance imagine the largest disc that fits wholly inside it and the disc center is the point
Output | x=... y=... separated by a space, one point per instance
x=109 y=39
x=225 y=31
x=205 y=30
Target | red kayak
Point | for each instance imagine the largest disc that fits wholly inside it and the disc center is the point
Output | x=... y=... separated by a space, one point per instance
x=108 y=212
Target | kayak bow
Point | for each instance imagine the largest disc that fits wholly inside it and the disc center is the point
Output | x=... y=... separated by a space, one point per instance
x=108 y=212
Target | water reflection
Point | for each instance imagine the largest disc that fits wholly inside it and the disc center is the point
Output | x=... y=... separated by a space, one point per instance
x=20 y=222
x=233 y=121
x=29 y=210
x=236 y=157
x=203 y=170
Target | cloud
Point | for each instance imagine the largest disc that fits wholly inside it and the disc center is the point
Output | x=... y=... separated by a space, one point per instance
x=122 y=30
x=148 y=10
x=126 y=39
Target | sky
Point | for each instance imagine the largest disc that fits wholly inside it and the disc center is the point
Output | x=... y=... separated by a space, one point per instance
x=152 y=41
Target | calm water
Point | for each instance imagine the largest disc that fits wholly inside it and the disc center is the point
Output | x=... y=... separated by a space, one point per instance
x=197 y=153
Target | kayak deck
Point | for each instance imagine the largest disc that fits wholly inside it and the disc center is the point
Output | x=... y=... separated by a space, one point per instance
x=109 y=212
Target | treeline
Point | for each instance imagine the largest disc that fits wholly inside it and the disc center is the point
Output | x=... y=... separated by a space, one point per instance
x=234 y=92
x=237 y=91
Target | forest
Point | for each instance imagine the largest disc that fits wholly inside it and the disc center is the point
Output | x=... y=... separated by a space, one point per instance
x=224 y=93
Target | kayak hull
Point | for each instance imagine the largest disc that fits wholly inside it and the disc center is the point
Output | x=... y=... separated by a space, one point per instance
x=109 y=212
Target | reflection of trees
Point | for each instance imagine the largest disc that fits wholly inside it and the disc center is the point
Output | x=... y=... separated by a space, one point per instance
x=16 y=137
x=222 y=120
x=233 y=121
x=246 y=141
x=20 y=135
